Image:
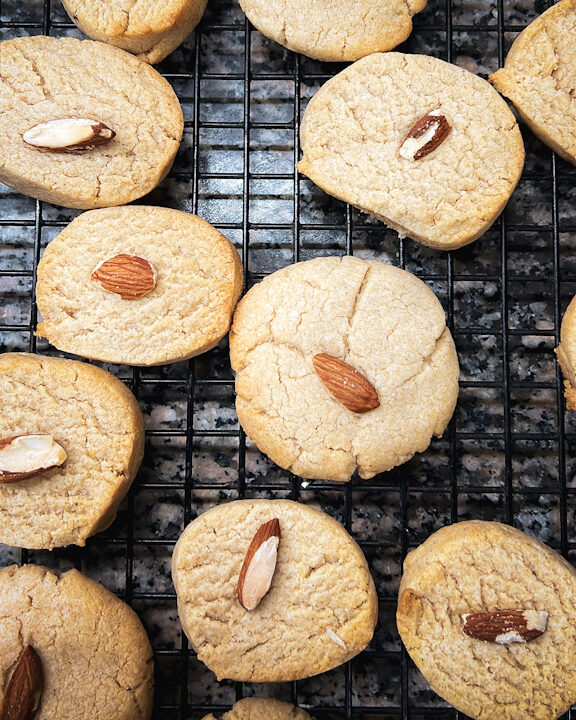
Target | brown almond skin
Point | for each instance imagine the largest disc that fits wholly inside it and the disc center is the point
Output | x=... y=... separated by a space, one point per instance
x=9 y=477
x=102 y=134
x=24 y=690
x=490 y=625
x=346 y=384
x=129 y=276
x=419 y=128
x=264 y=532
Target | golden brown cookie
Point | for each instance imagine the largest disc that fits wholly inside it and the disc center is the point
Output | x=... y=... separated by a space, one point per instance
x=566 y=353
x=262 y=709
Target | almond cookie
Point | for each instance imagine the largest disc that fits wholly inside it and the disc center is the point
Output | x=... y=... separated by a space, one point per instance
x=146 y=28
x=566 y=353
x=539 y=76
x=488 y=614
x=427 y=147
x=262 y=709
x=138 y=285
x=71 y=441
x=334 y=30
x=70 y=648
x=272 y=591
x=84 y=124
x=342 y=364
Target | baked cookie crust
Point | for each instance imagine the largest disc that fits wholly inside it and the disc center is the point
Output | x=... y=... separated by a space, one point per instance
x=566 y=354
x=262 y=709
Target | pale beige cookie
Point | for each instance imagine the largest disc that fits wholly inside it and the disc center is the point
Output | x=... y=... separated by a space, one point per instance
x=189 y=273
x=146 y=28
x=566 y=353
x=95 y=419
x=539 y=76
x=262 y=709
x=95 y=658
x=384 y=323
x=355 y=139
x=489 y=664
x=46 y=79
x=319 y=612
x=334 y=30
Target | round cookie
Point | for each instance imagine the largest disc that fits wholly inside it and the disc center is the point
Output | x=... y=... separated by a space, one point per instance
x=539 y=77
x=334 y=30
x=97 y=421
x=321 y=608
x=427 y=147
x=45 y=79
x=262 y=709
x=382 y=322
x=198 y=280
x=95 y=656
x=455 y=587
x=144 y=27
x=566 y=353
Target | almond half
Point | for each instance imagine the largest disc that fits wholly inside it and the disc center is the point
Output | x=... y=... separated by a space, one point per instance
x=129 y=276
x=259 y=565
x=68 y=134
x=345 y=383
x=506 y=626
x=24 y=456
x=425 y=136
x=24 y=689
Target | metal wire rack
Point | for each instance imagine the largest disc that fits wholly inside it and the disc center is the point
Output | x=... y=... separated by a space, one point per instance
x=508 y=454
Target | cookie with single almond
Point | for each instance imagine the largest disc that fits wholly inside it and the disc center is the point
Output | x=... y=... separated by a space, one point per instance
x=272 y=591
x=138 y=285
x=262 y=709
x=421 y=144
x=488 y=614
x=342 y=364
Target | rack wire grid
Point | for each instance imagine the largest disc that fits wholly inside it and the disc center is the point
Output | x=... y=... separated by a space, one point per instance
x=508 y=453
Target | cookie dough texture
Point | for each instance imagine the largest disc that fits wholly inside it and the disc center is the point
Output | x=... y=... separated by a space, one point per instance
x=321 y=584
x=146 y=28
x=199 y=280
x=95 y=654
x=566 y=353
x=262 y=709
x=46 y=78
x=482 y=567
x=334 y=30
x=97 y=421
x=355 y=125
x=539 y=76
x=382 y=321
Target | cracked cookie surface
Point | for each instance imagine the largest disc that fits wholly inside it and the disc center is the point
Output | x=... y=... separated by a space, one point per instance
x=46 y=78
x=539 y=77
x=381 y=320
x=262 y=709
x=355 y=125
x=566 y=354
x=334 y=30
x=481 y=566
x=97 y=421
x=198 y=282
x=96 y=658
x=321 y=586
x=146 y=28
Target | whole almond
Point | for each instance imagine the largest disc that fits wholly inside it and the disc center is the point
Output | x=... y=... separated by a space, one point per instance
x=506 y=626
x=425 y=136
x=345 y=383
x=68 y=134
x=24 y=456
x=259 y=565
x=129 y=276
x=24 y=690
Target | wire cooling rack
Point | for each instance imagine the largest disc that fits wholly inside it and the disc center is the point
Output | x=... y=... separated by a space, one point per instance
x=508 y=453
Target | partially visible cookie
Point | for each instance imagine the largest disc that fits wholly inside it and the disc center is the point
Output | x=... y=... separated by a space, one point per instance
x=262 y=709
x=94 y=418
x=566 y=353
x=83 y=124
x=319 y=611
x=146 y=28
x=423 y=145
x=138 y=285
x=334 y=30
x=90 y=655
x=539 y=76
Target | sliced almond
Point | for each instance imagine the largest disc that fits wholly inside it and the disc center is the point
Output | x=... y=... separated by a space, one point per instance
x=24 y=690
x=506 y=626
x=335 y=638
x=425 y=136
x=346 y=384
x=68 y=134
x=24 y=456
x=259 y=565
x=129 y=276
